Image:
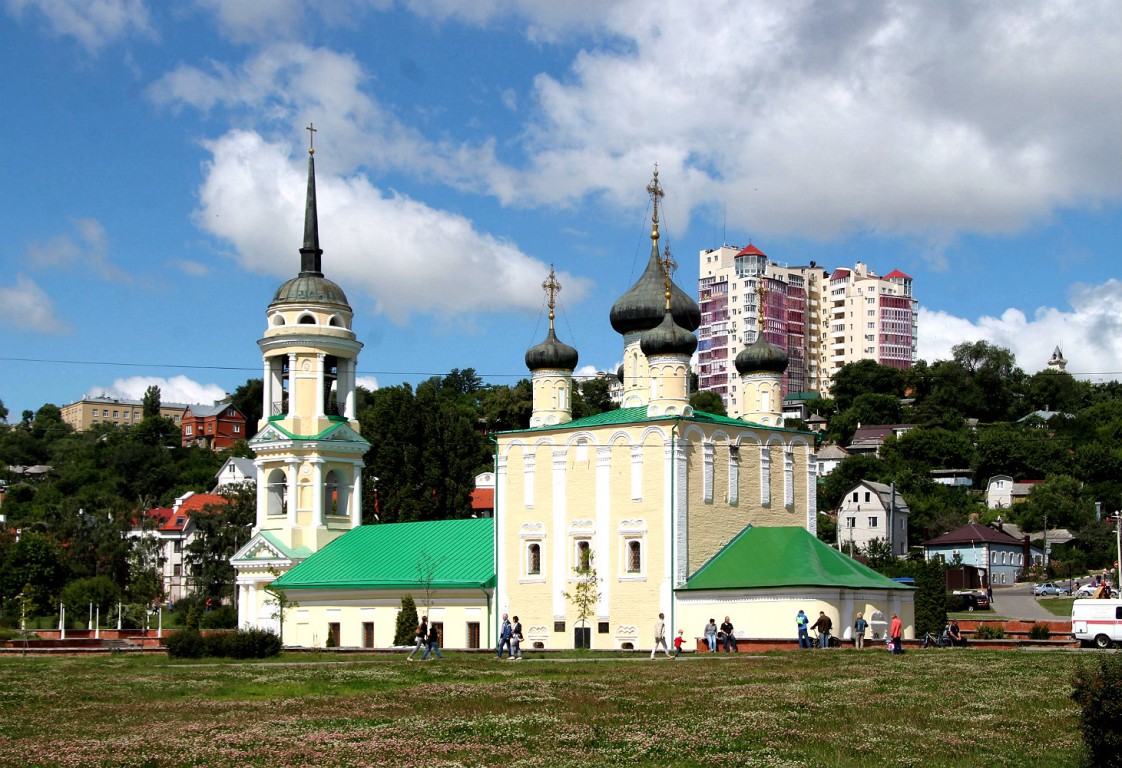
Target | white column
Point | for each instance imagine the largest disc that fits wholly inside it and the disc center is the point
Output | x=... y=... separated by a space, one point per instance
x=560 y=540
x=262 y=497
x=350 y=367
x=317 y=493
x=291 y=382
x=356 y=496
x=319 y=385
x=266 y=391
x=293 y=471
x=606 y=556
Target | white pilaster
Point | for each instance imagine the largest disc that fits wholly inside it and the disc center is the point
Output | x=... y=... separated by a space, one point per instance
x=320 y=406
x=317 y=492
x=605 y=556
x=560 y=538
x=293 y=480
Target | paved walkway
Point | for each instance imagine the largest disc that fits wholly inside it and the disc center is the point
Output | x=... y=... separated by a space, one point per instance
x=1017 y=602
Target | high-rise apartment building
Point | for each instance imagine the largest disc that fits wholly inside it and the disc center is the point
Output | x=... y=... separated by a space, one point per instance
x=822 y=319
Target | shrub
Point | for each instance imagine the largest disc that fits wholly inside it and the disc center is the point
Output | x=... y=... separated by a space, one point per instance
x=955 y=603
x=1095 y=689
x=989 y=632
x=1040 y=632
x=185 y=644
x=406 y=629
x=243 y=644
x=222 y=617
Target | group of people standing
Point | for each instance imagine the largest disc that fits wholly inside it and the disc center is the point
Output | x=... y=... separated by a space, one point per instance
x=824 y=626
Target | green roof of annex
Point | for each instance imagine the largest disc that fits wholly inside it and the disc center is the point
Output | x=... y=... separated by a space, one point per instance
x=766 y=557
x=638 y=414
x=457 y=554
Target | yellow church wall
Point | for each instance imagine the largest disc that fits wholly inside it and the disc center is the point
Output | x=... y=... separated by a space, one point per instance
x=714 y=519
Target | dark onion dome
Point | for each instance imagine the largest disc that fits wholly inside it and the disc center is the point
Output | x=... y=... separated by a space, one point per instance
x=642 y=307
x=310 y=289
x=619 y=373
x=668 y=338
x=761 y=356
x=551 y=353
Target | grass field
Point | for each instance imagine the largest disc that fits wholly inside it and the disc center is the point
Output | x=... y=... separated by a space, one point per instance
x=820 y=708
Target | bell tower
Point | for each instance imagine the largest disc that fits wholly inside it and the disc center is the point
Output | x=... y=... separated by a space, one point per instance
x=309 y=453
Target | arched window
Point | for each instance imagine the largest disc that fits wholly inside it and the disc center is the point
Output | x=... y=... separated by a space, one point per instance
x=634 y=557
x=331 y=500
x=583 y=558
x=534 y=559
x=307 y=320
x=277 y=484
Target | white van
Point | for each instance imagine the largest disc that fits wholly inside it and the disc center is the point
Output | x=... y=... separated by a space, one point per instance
x=1097 y=621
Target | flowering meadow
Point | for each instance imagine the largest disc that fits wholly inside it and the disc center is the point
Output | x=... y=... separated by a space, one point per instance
x=822 y=708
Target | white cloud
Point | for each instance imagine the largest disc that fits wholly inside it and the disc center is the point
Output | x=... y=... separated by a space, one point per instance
x=819 y=118
x=93 y=23
x=408 y=257
x=259 y=20
x=190 y=267
x=88 y=248
x=1090 y=335
x=367 y=382
x=177 y=389
x=25 y=306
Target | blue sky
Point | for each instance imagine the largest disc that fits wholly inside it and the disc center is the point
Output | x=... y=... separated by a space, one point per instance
x=154 y=158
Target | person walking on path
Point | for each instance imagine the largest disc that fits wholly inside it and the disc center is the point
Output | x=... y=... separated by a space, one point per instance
x=434 y=643
x=419 y=640
x=859 y=628
x=504 y=638
x=823 y=627
x=678 y=644
x=729 y=637
x=896 y=632
x=802 y=622
x=660 y=637
x=516 y=640
x=711 y=635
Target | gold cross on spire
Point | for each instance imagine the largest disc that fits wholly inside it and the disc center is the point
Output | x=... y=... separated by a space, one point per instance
x=668 y=268
x=551 y=288
x=654 y=189
x=311 y=129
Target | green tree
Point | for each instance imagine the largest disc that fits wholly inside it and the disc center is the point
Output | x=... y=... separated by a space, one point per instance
x=865 y=377
x=709 y=402
x=927 y=449
x=1059 y=499
x=866 y=409
x=3 y=412
x=35 y=559
x=586 y=590
x=150 y=403
x=406 y=630
x=508 y=408
x=96 y=590
x=878 y=553
x=596 y=395
x=220 y=529
x=247 y=398
x=847 y=474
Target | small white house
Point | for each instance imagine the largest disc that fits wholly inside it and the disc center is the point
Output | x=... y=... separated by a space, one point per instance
x=872 y=511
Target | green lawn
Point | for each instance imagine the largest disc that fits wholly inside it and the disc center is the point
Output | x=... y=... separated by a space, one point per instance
x=1060 y=606
x=820 y=708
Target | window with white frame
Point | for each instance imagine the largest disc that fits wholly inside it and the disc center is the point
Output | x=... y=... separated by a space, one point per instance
x=533 y=558
x=582 y=554
x=633 y=556
x=851 y=522
x=872 y=522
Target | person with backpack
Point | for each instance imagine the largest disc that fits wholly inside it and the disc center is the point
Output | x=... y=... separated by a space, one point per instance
x=803 y=623
x=420 y=637
x=859 y=628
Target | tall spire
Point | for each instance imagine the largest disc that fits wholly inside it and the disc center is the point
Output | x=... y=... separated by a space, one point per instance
x=551 y=288
x=654 y=189
x=310 y=253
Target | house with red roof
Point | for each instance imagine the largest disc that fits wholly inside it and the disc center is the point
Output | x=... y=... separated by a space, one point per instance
x=174 y=530
x=215 y=426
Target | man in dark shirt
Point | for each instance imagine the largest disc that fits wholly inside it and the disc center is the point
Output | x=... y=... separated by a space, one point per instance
x=823 y=627
x=727 y=634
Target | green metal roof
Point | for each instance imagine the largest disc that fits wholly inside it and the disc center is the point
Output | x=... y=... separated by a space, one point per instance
x=783 y=557
x=639 y=414
x=460 y=554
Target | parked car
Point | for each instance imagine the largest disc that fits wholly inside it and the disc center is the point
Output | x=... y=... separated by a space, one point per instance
x=1089 y=590
x=1048 y=589
x=974 y=599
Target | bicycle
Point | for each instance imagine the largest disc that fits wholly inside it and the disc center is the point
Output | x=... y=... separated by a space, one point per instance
x=816 y=641
x=931 y=640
